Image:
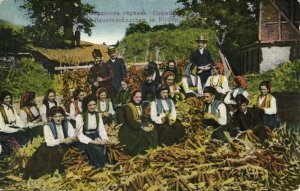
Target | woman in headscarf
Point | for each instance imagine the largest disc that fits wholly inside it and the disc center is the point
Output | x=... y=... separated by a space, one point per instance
x=164 y=115
x=11 y=125
x=76 y=105
x=191 y=83
x=175 y=93
x=59 y=134
x=137 y=133
x=104 y=106
x=30 y=114
x=92 y=132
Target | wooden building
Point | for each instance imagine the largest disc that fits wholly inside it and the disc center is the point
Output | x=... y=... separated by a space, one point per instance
x=279 y=37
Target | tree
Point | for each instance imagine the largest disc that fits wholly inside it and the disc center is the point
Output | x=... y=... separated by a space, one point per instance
x=141 y=27
x=11 y=41
x=54 y=19
x=235 y=18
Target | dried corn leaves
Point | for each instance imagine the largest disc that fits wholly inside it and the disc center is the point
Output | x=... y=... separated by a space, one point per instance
x=197 y=164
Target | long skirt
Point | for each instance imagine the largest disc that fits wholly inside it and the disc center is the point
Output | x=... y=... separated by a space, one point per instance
x=169 y=135
x=96 y=153
x=272 y=121
x=137 y=141
x=8 y=144
x=45 y=161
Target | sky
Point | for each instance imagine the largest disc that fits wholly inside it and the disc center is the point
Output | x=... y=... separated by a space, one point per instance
x=112 y=19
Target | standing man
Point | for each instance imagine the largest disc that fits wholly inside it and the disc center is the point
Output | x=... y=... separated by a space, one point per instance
x=117 y=67
x=100 y=75
x=203 y=59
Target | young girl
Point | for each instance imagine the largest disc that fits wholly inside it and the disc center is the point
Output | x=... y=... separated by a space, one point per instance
x=58 y=134
x=48 y=103
x=266 y=103
x=123 y=94
x=76 y=105
x=92 y=132
x=11 y=125
x=104 y=106
x=191 y=83
x=169 y=80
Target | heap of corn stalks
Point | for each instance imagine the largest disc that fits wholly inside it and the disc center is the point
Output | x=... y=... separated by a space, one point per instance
x=199 y=163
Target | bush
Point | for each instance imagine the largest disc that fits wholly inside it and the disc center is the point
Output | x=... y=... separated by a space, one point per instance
x=284 y=78
x=29 y=76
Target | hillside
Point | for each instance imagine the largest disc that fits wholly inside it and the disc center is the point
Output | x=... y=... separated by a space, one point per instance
x=7 y=24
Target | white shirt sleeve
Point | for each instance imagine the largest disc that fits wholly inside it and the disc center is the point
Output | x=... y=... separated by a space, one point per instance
x=225 y=87
x=101 y=129
x=111 y=109
x=173 y=114
x=49 y=138
x=207 y=83
x=82 y=137
x=272 y=109
x=72 y=111
x=199 y=86
x=227 y=99
x=185 y=85
x=23 y=116
x=5 y=127
x=19 y=122
x=43 y=113
x=222 y=120
x=153 y=114
x=71 y=130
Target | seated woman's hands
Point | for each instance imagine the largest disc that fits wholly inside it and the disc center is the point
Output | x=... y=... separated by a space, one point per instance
x=99 y=141
x=68 y=140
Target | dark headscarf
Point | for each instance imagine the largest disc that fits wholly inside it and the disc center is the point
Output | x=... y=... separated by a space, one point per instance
x=86 y=101
x=3 y=94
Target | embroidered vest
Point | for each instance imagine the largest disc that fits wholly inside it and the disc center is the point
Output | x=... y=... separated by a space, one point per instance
x=3 y=113
x=214 y=107
x=54 y=131
x=136 y=115
x=99 y=106
x=219 y=83
x=85 y=118
x=267 y=101
x=159 y=106
x=30 y=116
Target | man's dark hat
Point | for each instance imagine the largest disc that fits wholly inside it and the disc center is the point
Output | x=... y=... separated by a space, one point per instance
x=97 y=53
x=201 y=38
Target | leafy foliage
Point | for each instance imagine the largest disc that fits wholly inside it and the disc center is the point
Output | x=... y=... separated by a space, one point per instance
x=29 y=76
x=141 y=27
x=173 y=44
x=238 y=19
x=11 y=40
x=285 y=77
x=54 y=20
